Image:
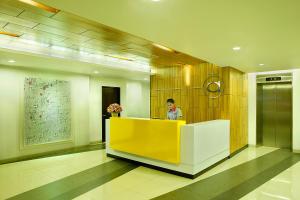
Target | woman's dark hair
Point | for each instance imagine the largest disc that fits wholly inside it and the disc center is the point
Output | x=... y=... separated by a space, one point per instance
x=170 y=101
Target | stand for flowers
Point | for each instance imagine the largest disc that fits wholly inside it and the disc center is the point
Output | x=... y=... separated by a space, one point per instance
x=114 y=109
x=114 y=114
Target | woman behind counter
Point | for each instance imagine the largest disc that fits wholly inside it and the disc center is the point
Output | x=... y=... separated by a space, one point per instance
x=173 y=113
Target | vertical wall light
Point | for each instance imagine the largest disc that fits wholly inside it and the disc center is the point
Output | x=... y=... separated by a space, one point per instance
x=187 y=74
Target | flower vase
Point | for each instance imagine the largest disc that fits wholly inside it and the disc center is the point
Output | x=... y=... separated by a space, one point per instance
x=114 y=114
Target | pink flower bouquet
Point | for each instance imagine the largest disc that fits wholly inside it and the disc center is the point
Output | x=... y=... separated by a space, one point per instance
x=114 y=108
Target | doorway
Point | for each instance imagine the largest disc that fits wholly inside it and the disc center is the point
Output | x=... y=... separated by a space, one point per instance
x=109 y=95
x=274 y=114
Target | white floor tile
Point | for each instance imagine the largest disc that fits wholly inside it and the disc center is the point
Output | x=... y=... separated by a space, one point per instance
x=145 y=183
x=285 y=186
x=16 y=178
x=140 y=183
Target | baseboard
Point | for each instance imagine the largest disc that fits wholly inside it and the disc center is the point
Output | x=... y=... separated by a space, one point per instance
x=239 y=150
x=296 y=151
x=253 y=145
x=96 y=142
x=78 y=149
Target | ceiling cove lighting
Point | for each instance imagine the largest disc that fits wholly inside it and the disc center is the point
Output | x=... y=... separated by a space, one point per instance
x=237 y=48
x=41 y=6
x=9 y=34
x=120 y=57
x=18 y=44
x=163 y=47
x=11 y=61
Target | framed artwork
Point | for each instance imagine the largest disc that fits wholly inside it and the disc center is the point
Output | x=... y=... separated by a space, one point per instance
x=47 y=111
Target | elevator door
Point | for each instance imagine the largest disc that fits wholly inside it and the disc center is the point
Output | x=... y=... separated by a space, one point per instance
x=274 y=123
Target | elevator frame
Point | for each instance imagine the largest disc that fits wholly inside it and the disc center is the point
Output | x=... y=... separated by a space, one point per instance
x=270 y=79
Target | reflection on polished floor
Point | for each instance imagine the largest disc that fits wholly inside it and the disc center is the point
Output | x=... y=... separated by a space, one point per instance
x=255 y=173
x=285 y=186
x=27 y=175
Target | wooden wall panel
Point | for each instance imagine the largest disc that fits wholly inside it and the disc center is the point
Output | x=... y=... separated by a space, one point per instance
x=235 y=108
x=185 y=85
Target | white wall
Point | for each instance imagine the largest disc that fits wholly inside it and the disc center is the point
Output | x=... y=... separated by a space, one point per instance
x=252 y=109
x=135 y=100
x=296 y=111
x=138 y=99
x=11 y=116
x=296 y=108
x=85 y=109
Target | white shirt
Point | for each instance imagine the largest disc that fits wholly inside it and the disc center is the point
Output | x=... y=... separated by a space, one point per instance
x=174 y=115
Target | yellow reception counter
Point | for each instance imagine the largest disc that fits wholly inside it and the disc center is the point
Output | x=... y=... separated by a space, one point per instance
x=170 y=145
x=156 y=139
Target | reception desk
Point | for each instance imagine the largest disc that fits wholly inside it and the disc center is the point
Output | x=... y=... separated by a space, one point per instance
x=186 y=149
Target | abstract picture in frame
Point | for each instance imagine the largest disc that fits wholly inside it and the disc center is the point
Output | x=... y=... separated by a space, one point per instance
x=47 y=111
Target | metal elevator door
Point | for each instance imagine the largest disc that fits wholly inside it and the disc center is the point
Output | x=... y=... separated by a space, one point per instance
x=274 y=114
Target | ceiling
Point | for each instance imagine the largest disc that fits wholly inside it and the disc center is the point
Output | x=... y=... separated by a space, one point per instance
x=267 y=31
x=37 y=62
x=59 y=34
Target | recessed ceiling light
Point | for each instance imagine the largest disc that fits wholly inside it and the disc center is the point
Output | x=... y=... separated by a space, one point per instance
x=146 y=79
x=237 y=48
x=11 y=61
x=155 y=0
x=41 y=6
x=261 y=64
x=163 y=47
x=96 y=72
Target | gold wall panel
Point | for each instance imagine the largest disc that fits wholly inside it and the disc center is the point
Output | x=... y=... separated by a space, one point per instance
x=185 y=85
x=235 y=106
